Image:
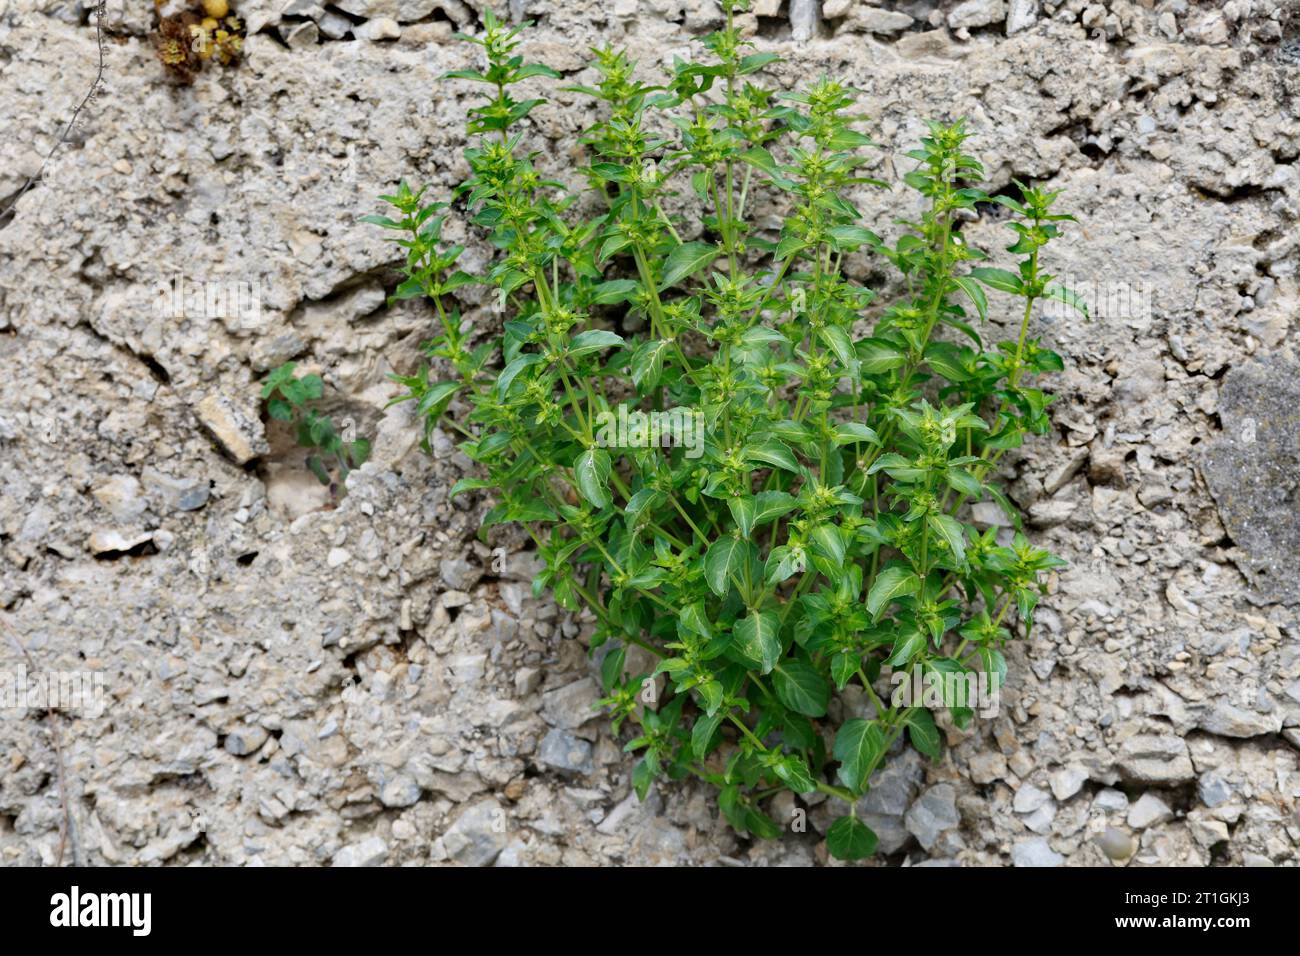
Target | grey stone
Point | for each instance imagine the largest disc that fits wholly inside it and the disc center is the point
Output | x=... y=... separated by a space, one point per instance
x=369 y=852
x=380 y=28
x=934 y=812
x=1253 y=471
x=894 y=787
x=977 y=13
x=1111 y=799
x=987 y=767
x=564 y=752
x=1029 y=798
x=1226 y=720
x=237 y=429
x=175 y=494
x=1035 y=851
x=1153 y=759
x=914 y=46
x=1021 y=15
x=400 y=791
x=478 y=834
x=335 y=27
x=804 y=17
x=1068 y=781
x=1148 y=811
x=303 y=35
x=1213 y=790
x=120 y=495
x=571 y=706
x=302 y=8
x=245 y=739
x=875 y=20
x=891 y=832
x=459 y=573
x=1207 y=832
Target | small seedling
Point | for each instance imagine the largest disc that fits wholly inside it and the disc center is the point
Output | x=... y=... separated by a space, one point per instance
x=287 y=399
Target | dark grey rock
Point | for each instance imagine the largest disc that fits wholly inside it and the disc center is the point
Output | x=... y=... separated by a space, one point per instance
x=562 y=751
x=933 y=813
x=572 y=705
x=891 y=834
x=1213 y=790
x=1253 y=471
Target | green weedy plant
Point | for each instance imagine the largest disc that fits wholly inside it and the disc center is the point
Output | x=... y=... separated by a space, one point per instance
x=818 y=538
x=288 y=399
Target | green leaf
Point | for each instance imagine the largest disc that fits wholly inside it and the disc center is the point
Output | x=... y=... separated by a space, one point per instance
x=616 y=290
x=511 y=371
x=702 y=734
x=849 y=238
x=611 y=668
x=855 y=432
x=711 y=694
x=892 y=582
x=317 y=468
x=975 y=294
x=829 y=541
x=768 y=505
x=772 y=452
x=793 y=771
x=838 y=342
x=648 y=363
x=642 y=777
x=878 y=356
x=923 y=733
x=686 y=260
x=953 y=533
x=645 y=498
x=945 y=358
x=999 y=279
x=437 y=397
x=593 y=340
x=758 y=639
x=964 y=482
x=759 y=158
x=724 y=557
x=843 y=666
x=850 y=839
x=592 y=471
x=531 y=70
x=1069 y=297
x=994 y=665
x=801 y=688
x=754 y=62
x=858 y=744
x=906 y=646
